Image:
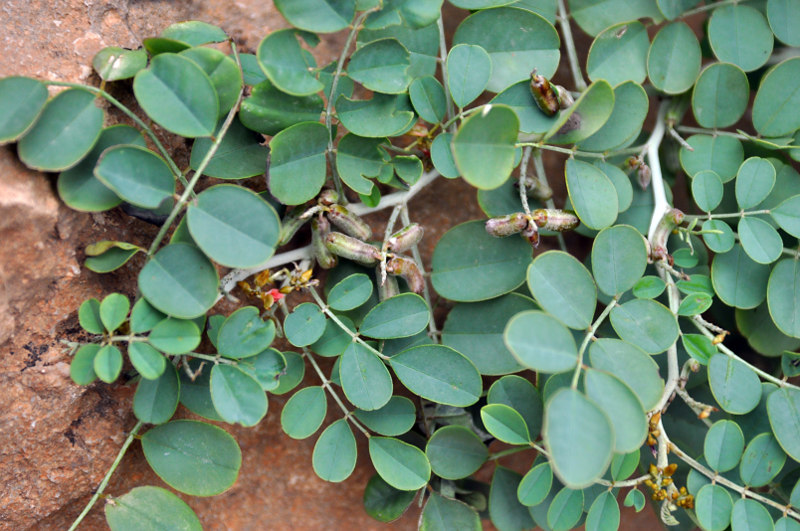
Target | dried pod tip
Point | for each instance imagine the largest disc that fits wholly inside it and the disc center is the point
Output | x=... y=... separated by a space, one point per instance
x=507 y=225
x=403 y=267
x=405 y=238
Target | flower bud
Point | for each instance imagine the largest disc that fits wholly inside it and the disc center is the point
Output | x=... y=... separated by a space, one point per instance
x=555 y=219
x=352 y=248
x=507 y=225
x=405 y=238
x=349 y=223
x=320 y=228
x=407 y=269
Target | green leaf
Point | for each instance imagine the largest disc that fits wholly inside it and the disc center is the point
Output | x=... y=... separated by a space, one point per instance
x=237 y=396
x=723 y=445
x=334 y=339
x=382 y=66
x=630 y=364
x=673 y=61
x=729 y=268
x=422 y=42
x=585 y=117
x=604 y=513
x=760 y=240
x=81 y=369
x=303 y=414
x=592 y=194
x=295 y=370
x=541 y=342
x=648 y=287
x=438 y=373
x=624 y=465
x=754 y=182
x=618 y=58
x=621 y=182
x=79 y=188
x=396 y=417
x=320 y=16
x=762 y=460
x=784 y=17
x=365 y=380
x=476 y=331
x=175 y=336
x=775 y=99
x=400 y=316
x=266 y=368
x=720 y=154
x=483 y=147
x=565 y=510
x=401 y=465
x=136 y=174
x=783 y=408
x=786 y=524
x=180 y=281
x=713 y=507
x=223 y=73
x=699 y=347
x=238 y=156
x=106 y=256
x=593 y=16
x=298 y=168
x=783 y=297
x=579 y=437
x=358 y=159
x=334 y=456
x=108 y=363
x=624 y=124
x=762 y=334
x=304 y=325
x=156 y=400
x=740 y=35
x=286 y=65
x=196 y=394
x=244 y=334
x=735 y=386
x=455 y=452
x=407 y=168
x=144 y=317
x=384 y=502
x=270 y=111
x=635 y=499
x=194 y=32
x=519 y=394
x=619 y=258
x=442 y=514
x=720 y=95
x=468 y=265
x=749 y=514
x=469 y=68
x=535 y=485
x=519 y=97
x=428 y=99
x=89 y=316
x=721 y=242
x=622 y=407
x=158 y=45
x=563 y=287
x=178 y=95
x=149 y=362
x=695 y=304
x=505 y=424
x=505 y=510
x=787 y=215
x=383 y=115
x=350 y=292
x=707 y=190
x=150 y=508
x=193 y=457
x=515 y=39
x=67 y=129
x=21 y=101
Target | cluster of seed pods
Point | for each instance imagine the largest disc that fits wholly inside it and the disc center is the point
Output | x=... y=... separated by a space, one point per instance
x=529 y=224
x=351 y=239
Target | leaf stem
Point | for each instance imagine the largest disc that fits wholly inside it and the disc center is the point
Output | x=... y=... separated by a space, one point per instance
x=523 y=174
x=690 y=217
x=660 y=205
x=566 y=31
x=443 y=65
x=588 y=337
x=709 y=6
x=538 y=164
x=433 y=332
x=107 y=477
x=714 y=132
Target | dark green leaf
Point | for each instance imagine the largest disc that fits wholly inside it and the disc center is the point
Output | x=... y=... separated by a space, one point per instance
x=322 y=16
x=630 y=364
x=150 y=508
x=156 y=400
x=365 y=380
x=384 y=502
x=269 y=111
x=298 y=168
x=735 y=386
x=358 y=159
x=237 y=396
x=428 y=99
x=401 y=465
x=304 y=412
x=617 y=58
x=396 y=417
x=244 y=334
x=21 y=101
x=443 y=514
x=108 y=363
x=383 y=115
x=239 y=155
x=519 y=394
x=468 y=70
x=483 y=146
x=286 y=65
x=136 y=174
x=455 y=452
x=438 y=373
x=727 y=272
x=381 y=65
x=505 y=510
x=194 y=32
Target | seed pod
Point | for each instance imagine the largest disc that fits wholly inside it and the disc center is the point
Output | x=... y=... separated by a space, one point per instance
x=405 y=238
x=320 y=228
x=507 y=225
x=352 y=248
x=555 y=219
x=537 y=189
x=328 y=197
x=349 y=223
x=389 y=288
x=531 y=233
x=544 y=94
x=290 y=224
x=407 y=269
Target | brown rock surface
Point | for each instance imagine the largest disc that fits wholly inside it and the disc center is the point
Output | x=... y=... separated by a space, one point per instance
x=57 y=439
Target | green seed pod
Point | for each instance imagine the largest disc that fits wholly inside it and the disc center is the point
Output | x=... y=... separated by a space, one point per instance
x=554 y=219
x=406 y=268
x=545 y=95
x=328 y=197
x=290 y=224
x=536 y=189
x=531 y=233
x=405 y=238
x=349 y=223
x=352 y=248
x=389 y=288
x=507 y=225
x=320 y=228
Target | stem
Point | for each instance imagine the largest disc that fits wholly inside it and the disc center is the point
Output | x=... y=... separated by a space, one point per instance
x=107 y=477
x=574 y=65
x=715 y=132
x=673 y=372
x=710 y=6
x=215 y=358
x=509 y=451
x=426 y=294
x=443 y=64
x=523 y=170
x=566 y=151
x=589 y=335
x=660 y=205
x=741 y=214
x=542 y=176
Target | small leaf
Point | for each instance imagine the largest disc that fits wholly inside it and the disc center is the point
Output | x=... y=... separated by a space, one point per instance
x=729 y=268
x=635 y=499
x=723 y=445
x=401 y=465
x=754 y=182
x=648 y=287
x=194 y=32
x=237 y=396
x=784 y=302
x=505 y=424
x=265 y=367
x=438 y=373
x=625 y=123
x=150 y=507
x=428 y=99
x=761 y=461
x=400 y=316
x=358 y=159
x=223 y=73
x=585 y=117
x=297 y=167
x=244 y=334
x=618 y=58
x=108 y=363
x=541 y=342
x=593 y=17
x=238 y=156
x=740 y=35
x=350 y=292
x=383 y=115
x=156 y=400
x=565 y=510
x=321 y=16
x=750 y=515
x=136 y=175
x=396 y=417
x=563 y=287
x=721 y=154
x=89 y=316
x=622 y=407
x=303 y=414
x=619 y=259
x=175 y=336
x=106 y=256
x=774 y=100
x=592 y=194
x=381 y=65
x=484 y=145
x=535 y=485
x=293 y=375
x=695 y=304
x=718 y=236
x=735 y=386
x=707 y=190
x=519 y=394
x=304 y=325
x=441 y=514
x=144 y=317
x=455 y=452
x=720 y=95
x=285 y=63
x=23 y=99
x=270 y=111
x=334 y=457
x=603 y=514
x=673 y=61
x=760 y=240
x=645 y=323
x=713 y=507
x=787 y=215
x=81 y=369
x=149 y=362
x=505 y=509
x=630 y=364
x=783 y=408
x=193 y=457
x=468 y=70
x=365 y=380
x=699 y=347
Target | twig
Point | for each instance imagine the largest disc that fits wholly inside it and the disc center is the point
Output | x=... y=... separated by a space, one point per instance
x=566 y=31
x=542 y=176
x=589 y=335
